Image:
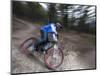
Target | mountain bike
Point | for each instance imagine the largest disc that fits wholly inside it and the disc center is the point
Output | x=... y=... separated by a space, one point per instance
x=53 y=54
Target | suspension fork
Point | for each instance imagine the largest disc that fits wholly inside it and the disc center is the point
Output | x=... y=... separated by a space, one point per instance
x=55 y=47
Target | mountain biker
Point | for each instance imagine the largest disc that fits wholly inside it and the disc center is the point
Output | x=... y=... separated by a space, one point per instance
x=49 y=28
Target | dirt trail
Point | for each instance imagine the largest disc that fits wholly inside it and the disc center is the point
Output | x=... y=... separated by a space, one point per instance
x=79 y=49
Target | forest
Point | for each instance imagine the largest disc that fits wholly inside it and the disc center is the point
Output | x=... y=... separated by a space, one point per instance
x=81 y=18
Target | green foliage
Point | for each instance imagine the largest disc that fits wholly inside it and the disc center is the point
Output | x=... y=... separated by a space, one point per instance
x=82 y=25
x=30 y=10
x=92 y=30
x=52 y=13
x=64 y=13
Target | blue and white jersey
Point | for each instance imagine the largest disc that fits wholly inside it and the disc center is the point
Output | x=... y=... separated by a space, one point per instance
x=49 y=28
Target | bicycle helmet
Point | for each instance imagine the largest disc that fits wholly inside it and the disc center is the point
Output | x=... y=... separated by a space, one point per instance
x=58 y=26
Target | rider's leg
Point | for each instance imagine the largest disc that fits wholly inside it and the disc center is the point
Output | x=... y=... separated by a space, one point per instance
x=43 y=36
x=42 y=40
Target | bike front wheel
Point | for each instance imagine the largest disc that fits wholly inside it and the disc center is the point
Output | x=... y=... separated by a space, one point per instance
x=54 y=58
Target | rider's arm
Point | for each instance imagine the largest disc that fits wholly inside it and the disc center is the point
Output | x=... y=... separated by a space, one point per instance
x=54 y=28
x=55 y=34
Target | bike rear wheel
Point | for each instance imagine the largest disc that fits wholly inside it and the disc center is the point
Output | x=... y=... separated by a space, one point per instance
x=54 y=60
x=27 y=44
